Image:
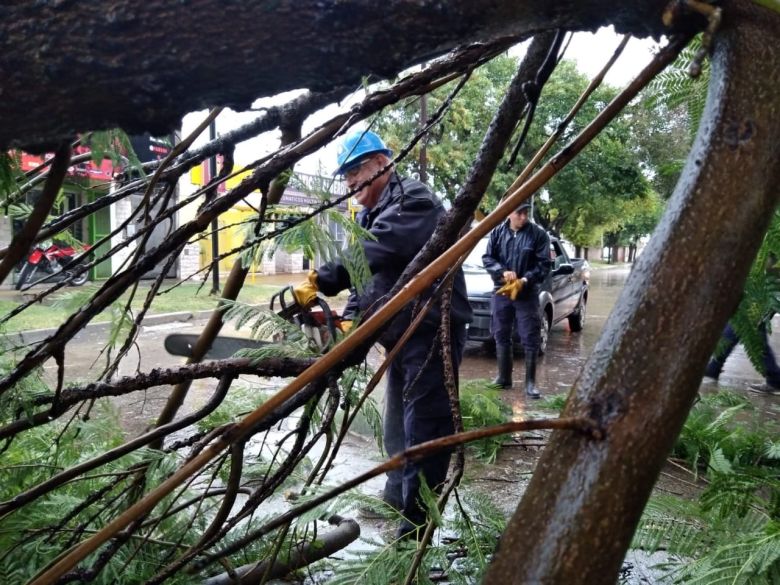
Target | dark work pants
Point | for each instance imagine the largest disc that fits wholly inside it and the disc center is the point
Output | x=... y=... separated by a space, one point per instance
x=417 y=409
x=524 y=313
x=729 y=341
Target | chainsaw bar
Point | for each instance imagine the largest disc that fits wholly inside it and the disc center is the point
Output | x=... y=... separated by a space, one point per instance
x=319 y=326
x=222 y=347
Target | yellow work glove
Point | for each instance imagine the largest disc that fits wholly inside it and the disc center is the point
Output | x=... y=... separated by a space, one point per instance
x=305 y=293
x=511 y=289
x=345 y=326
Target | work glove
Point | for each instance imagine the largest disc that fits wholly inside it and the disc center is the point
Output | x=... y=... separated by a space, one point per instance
x=512 y=289
x=345 y=326
x=305 y=293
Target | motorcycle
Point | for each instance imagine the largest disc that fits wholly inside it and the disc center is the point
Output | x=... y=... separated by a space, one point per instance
x=49 y=258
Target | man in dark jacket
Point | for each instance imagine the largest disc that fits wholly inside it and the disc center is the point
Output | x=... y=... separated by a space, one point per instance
x=518 y=259
x=401 y=215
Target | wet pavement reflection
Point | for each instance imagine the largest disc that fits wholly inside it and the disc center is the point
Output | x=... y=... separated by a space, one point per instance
x=566 y=353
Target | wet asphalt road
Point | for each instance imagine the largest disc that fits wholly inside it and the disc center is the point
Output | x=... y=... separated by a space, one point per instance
x=557 y=370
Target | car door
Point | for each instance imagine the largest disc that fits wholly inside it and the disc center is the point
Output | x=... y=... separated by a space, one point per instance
x=562 y=285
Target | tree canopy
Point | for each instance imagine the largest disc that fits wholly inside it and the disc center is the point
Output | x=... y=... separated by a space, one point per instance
x=608 y=188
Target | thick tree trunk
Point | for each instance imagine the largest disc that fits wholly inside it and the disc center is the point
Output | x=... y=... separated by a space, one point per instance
x=68 y=66
x=580 y=511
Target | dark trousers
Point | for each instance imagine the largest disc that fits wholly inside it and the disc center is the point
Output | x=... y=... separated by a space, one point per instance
x=417 y=409
x=524 y=314
x=730 y=339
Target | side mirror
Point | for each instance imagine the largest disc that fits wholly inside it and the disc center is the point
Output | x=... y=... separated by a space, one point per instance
x=563 y=270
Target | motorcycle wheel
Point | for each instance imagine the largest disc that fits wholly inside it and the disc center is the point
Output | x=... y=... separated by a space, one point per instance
x=80 y=279
x=24 y=275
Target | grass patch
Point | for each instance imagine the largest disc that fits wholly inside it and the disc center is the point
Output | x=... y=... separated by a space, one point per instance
x=481 y=406
x=186 y=297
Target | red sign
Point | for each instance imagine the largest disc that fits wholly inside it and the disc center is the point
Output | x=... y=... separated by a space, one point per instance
x=102 y=172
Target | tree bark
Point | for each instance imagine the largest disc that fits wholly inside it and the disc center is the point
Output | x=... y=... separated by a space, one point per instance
x=68 y=67
x=577 y=518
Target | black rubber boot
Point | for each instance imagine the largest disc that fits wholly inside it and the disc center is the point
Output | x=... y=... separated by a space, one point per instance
x=530 y=375
x=713 y=369
x=504 y=358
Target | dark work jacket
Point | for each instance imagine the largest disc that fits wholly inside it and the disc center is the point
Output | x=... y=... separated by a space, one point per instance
x=525 y=252
x=402 y=221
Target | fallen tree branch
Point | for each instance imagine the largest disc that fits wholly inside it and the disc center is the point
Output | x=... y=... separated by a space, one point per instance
x=366 y=330
x=133 y=57
x=416 y=453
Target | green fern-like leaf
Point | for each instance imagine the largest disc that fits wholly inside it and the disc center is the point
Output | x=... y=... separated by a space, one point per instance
x=675 y=88
x=112 y=144
x=243 y=398
x=719 y=463
x=761 y=296
x=481 y=406
x=10 y=173
x=353 y=383
x=19 y=211
x=263 y=324
x=772 y=450
x=730 y=534
x=388 y=564
x=554 y=402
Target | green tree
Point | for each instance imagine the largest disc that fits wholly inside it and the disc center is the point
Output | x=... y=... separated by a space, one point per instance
x=662 y=136
x=591 y=196
x=452 y=145
x=584 y=200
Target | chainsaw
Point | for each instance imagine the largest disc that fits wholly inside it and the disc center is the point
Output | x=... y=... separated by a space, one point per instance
x=318 y=324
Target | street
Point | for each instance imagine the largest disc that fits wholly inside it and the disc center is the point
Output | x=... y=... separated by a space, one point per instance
x=557 y=370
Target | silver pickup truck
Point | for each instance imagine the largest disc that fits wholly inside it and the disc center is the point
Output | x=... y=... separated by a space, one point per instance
x=564 y=293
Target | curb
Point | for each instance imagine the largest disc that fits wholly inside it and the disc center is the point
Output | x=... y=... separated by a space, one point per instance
x=37 y=335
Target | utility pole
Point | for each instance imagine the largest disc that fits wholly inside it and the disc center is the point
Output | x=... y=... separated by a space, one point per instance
x=215 y=221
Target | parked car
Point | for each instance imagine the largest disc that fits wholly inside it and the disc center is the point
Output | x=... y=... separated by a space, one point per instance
x=564 y=293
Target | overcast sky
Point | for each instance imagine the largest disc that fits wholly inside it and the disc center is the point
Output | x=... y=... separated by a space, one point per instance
x=590 y=51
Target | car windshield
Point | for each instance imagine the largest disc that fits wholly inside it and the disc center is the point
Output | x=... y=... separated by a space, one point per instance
x=474 y=259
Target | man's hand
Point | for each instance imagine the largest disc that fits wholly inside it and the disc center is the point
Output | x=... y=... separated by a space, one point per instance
x=305 y=293
x=509 y=276
x=512 y=289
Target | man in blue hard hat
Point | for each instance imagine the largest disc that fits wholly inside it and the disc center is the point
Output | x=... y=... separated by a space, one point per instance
x=401 y=214
x=518 y=259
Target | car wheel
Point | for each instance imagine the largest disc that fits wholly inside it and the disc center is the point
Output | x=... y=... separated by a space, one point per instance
x=544 y=334
x=577 y=319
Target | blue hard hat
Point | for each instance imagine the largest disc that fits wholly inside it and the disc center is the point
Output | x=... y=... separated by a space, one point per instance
x=356 y=145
